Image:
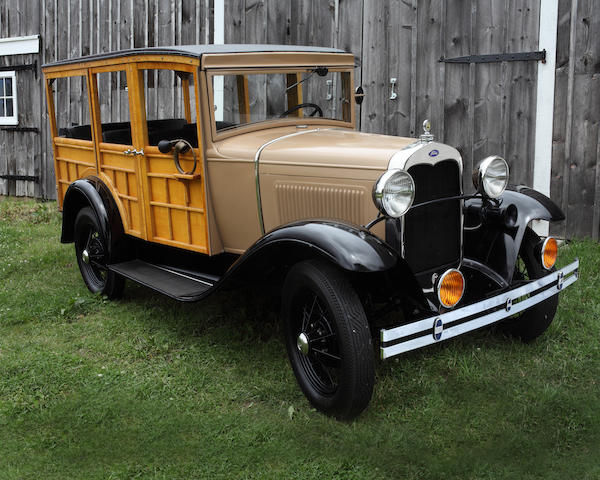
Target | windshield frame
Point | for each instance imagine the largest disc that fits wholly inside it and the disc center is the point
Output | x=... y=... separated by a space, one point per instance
x=274 y=122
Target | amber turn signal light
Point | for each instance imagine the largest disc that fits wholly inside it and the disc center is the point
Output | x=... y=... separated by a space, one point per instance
x=451 y=287
x=549 y=252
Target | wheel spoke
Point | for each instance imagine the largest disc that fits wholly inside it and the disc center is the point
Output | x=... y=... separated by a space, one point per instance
x=322 y=337
x=327 y=355
x=98 y=264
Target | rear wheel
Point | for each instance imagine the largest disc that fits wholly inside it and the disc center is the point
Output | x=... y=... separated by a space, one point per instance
x=93 y=254
x=531 y=323
x=328 y=339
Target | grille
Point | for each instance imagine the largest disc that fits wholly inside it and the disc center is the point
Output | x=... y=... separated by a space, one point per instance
x=432 y=235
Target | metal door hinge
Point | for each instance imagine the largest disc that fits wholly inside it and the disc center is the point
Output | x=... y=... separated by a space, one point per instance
x=25 y=178
x=499 y=57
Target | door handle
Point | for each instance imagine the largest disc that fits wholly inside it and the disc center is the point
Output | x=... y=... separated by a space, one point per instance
x=131 y=151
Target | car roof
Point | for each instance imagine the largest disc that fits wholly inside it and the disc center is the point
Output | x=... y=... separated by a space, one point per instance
x=197 y=51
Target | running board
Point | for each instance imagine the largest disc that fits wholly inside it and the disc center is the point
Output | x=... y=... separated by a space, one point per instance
x=185 y=287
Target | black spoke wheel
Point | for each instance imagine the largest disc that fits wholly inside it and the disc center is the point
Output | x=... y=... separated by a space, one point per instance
x=93 y=255
x=328 y=339
x=531 y=323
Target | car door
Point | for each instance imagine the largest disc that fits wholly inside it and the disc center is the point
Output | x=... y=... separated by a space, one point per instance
x=174 y=194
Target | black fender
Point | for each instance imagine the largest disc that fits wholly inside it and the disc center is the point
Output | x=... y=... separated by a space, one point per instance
x=497 y=242
x=351 y=248
x=91 y=191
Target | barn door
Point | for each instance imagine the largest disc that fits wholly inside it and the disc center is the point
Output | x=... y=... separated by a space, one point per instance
x=479 y=108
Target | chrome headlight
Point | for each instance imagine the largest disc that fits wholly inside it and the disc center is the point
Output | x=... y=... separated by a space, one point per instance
x=394 y=193
x=491 y=176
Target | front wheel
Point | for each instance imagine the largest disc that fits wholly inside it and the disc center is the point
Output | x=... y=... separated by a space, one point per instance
x=328 y=339
x=531 y=323
x=93 y=253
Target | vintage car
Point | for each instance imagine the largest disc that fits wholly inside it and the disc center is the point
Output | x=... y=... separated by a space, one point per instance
x=207 y=164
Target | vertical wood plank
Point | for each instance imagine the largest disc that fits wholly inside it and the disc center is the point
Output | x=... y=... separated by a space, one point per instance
x=400 y=25
x=489 y=36
x=522 y=35
x=457 y=42
x=375 y=77
x=429 y=70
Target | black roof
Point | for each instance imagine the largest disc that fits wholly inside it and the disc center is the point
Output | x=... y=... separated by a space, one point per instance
x=199 y=50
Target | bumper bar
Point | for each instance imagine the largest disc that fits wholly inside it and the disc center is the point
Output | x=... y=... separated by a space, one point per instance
x=471 y=317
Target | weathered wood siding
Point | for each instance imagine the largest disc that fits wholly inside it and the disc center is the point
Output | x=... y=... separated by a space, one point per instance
x=575 y=181
x=479 y=108
x=21 y=151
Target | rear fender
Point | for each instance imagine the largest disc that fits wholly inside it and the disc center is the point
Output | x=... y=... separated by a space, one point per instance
x=92 y=192
x=497 y=242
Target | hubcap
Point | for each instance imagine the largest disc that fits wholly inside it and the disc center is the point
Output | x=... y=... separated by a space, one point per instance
x=85 y=256
x=302 y=343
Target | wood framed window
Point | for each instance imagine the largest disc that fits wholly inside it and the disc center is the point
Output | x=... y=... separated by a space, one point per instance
x=8 y=99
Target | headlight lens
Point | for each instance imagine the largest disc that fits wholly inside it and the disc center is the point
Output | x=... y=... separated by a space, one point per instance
x=394 y=193
x=491 y=176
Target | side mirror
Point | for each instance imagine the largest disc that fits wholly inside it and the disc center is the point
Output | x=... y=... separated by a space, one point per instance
x=359 y=95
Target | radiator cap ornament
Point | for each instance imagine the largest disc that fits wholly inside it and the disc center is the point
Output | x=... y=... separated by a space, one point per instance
x=426 y=136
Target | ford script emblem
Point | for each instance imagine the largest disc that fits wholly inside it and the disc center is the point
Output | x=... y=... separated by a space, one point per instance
x=434 y=153
x=438 y=328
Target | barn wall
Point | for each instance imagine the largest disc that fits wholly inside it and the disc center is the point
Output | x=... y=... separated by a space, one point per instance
x=481 y=109
x=576 y=134
x=21 y=151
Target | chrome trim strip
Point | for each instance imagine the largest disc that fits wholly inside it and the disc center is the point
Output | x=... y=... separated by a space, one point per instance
x=506 y=298
x=257 y=159
x=184 y=275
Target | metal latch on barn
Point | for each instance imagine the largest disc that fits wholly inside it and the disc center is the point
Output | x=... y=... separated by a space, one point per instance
x=499 y=57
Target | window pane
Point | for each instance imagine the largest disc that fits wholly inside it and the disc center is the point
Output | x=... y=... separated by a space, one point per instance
x=1 y=87
x=8 y=83
x=72 y=107
x=2 y=112
x=113 y=98
x=9 y=107
x=166 y=93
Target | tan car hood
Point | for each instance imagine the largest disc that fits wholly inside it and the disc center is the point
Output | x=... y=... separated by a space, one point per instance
x=323 y=146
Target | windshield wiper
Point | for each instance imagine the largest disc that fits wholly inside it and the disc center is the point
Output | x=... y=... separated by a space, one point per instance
x=320 y=71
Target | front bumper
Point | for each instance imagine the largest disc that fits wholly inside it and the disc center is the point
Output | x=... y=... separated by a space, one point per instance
x=434 y=329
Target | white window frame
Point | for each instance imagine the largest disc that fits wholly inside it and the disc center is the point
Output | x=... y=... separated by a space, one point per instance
x=14 y=118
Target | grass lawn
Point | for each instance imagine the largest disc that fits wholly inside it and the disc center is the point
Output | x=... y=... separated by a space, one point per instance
x=146 y=387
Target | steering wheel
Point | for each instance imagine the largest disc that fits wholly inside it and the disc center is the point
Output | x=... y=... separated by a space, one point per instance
x=316 y=108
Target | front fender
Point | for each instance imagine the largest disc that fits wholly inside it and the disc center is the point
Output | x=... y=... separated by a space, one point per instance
x=496 y=243
x=349 y=247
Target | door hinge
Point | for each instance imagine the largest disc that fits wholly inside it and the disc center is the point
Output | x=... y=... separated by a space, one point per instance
x=499 y=57
x=26 y=178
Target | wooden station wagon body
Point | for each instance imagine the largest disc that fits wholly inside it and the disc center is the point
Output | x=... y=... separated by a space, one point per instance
x=214 y=162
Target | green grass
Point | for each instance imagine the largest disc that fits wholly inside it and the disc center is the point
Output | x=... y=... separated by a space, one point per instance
x=148 y=388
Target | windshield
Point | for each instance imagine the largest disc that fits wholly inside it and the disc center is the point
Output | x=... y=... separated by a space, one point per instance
x=247 y=98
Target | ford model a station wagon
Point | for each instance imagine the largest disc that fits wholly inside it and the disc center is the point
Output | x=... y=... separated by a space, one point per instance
x=185 y=168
